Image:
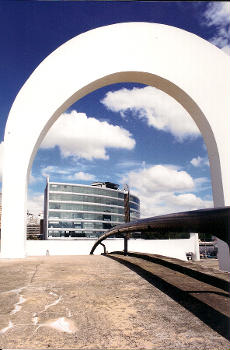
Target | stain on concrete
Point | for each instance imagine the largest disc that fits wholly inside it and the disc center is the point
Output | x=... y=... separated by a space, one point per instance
x=3 y=330
x=61 y=324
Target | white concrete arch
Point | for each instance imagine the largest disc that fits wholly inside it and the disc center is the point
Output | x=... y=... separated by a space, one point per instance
x=183 y=65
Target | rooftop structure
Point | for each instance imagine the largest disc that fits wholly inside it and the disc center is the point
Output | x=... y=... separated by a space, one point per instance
x=106 y=185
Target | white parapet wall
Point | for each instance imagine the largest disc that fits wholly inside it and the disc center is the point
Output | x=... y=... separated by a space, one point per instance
x=175 y=248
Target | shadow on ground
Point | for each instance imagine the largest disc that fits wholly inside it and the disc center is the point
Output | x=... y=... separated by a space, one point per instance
x=215 y=319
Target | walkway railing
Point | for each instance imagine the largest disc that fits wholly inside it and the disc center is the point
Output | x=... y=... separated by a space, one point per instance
x=213 y=221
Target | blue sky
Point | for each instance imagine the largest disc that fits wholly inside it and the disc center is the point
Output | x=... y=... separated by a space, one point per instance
x=146 y=139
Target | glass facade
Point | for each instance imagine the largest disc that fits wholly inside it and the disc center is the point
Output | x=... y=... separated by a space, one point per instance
x=74 y=211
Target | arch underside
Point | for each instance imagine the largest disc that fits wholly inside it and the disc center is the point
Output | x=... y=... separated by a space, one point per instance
x=169 y=88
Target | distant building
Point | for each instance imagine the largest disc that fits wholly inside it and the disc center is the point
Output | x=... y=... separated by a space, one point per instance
x=34 y=226
x=75 y=210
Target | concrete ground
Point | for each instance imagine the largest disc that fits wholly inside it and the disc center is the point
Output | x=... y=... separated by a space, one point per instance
x=210 y=263
x=92 y=302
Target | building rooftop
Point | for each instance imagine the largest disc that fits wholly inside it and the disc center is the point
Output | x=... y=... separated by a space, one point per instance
x=106 y=184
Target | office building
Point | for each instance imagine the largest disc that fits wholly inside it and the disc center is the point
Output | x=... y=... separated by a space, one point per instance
x=75 y=210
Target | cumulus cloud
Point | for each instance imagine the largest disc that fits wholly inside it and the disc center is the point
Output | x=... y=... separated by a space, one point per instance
x=35 y=203
x=217 y=14
x=163 y=189
x=161 y=178
x=1 y=159
x=33 y=179
x=127 y=164
x=81 y=175
x=200 y=162
x=54 y=171
x=155 y=107
x=82 y=137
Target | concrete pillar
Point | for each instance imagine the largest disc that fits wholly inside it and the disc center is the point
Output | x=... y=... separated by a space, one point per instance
x=196 y=251
x=223 y=255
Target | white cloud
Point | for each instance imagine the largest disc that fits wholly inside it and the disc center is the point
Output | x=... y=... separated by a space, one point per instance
x=82 y=176
x=1 y=159
x=33 y=179
x=187 y=201
x=53 y=170
x=161 y=178
x=66 y=174
x=35 y=203
x=129 y=164
x=155 y=107
x=200 y=161
x=163 y=189
x=202 y=184
x=83 y=137
x=218 y=14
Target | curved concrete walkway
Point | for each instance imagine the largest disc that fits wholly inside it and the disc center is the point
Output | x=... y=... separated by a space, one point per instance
x=92 y=302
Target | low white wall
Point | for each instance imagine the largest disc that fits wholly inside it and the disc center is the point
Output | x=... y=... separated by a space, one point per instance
x=59 y=247
x=176 y=248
